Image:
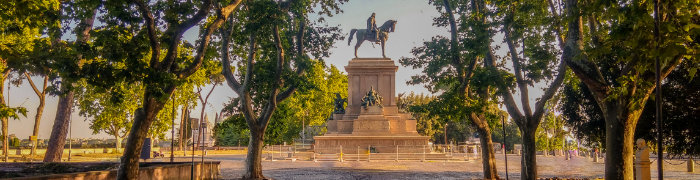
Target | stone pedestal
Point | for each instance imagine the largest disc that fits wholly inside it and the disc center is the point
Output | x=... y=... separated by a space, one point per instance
x=380 y=127
x=641 y=161
x=691 y=165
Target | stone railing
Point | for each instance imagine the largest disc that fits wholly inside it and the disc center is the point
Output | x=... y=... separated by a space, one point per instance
x=151 y=170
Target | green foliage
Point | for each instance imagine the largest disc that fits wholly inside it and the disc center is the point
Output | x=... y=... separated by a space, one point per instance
x=112 y=110
x=313 y=104
x=581 y=113
x=12 y=112
x=550 y=134
x=22 y=24
x=680 y=98
x=233 y=131
x=426 y=125
x=512 y=135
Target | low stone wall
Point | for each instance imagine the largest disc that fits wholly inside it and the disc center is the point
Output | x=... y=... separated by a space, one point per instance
x=147 y=171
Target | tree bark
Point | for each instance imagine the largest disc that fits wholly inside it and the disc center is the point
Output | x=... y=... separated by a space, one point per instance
x=3 y=120
x=57 y=141
x=39 y=110
x=37 y=120
x=5 y=139
x=619 y=141
x=182 y=125
x=488 y=158
x=253 y=162
x=118 y=144
x=129 y=166
x=528 y=161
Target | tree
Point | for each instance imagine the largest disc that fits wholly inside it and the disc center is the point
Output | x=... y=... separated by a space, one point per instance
x=530 y=37
x=272 y=57
x=614 y=57
x=66 y=58
x=141 y=42
x=22 y=26
x=213 y=71
x=431 y=123
x=581 y=113
x=232 y=132
x=307 y=107
x=41 y=94
x=113 y=109
x=426 y=124
x=452 y=67
x=680 y=99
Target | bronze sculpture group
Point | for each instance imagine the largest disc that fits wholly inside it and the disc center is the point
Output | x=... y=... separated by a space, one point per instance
x=371 y=99
x=339 y=104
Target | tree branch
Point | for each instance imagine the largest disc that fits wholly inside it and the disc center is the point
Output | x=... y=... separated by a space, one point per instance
x=152 y=35
x=585 y=70
x=222 y=15
x=31 y=83
x=549 y=93
x=557 y=24
x=225 y=61
x=249 y=64
x=272 y=101
x=454 y=46
x=524 y=95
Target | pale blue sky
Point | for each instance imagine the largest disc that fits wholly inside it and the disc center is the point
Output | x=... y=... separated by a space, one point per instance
x=414 y=26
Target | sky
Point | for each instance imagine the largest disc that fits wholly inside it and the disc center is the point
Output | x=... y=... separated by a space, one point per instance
x=414 y=26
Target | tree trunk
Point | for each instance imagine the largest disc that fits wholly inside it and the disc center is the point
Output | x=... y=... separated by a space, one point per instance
x=118 y=144
x=182 y=125
x=3 y=121
x=619 y=144
x=253 y=160
x=54 y=151
x=528 y=160
x=4 y=139
x=37 y=120
x=129 y=166
x=488 y=158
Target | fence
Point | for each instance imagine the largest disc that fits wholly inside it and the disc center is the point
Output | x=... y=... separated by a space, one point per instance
x=373 y=153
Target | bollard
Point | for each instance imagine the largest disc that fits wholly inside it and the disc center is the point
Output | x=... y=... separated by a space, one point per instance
x=423 y=159
x=369 y=152
x=691 y=165
x=641 y=162
x=595 y=157
x=358 y=154
x=341 y=153
x=272 y=154
x=397 y=153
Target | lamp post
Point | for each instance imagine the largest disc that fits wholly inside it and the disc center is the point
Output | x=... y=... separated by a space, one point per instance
x=503 y=121
x=70 y=134
x=659 y=119
x=445 y=133
x=549 y=141
x=303 y=129
x=172 y=132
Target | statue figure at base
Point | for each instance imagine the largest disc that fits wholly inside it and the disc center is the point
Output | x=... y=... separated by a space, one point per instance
x=339 y=104
x=371 y=99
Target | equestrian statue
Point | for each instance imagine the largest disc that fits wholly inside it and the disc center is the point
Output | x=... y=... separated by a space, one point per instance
x=373 y=33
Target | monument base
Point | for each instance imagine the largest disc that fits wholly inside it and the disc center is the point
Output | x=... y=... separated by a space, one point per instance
x=377 y=144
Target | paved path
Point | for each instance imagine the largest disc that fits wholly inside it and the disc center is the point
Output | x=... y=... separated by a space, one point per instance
x=232 y=168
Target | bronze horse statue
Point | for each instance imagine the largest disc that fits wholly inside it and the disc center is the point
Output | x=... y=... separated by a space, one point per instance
x=384 y=31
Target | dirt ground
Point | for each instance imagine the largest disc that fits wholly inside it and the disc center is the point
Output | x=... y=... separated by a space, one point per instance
x=548 y=167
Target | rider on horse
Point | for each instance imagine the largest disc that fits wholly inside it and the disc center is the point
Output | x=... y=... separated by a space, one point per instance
x=372 y=27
